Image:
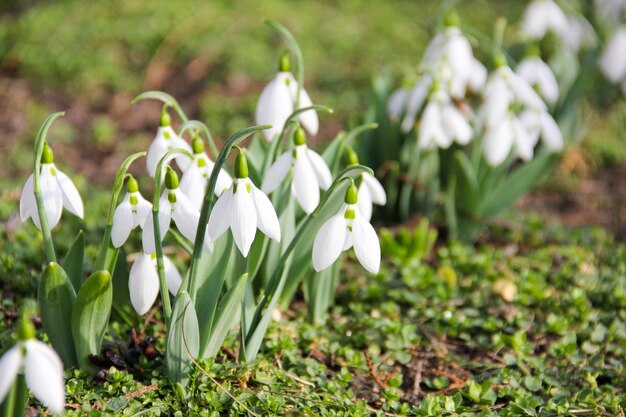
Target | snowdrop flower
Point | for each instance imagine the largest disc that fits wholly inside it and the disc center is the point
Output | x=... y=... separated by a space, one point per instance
x=175 y=205
x=195 y=179
x=539 y=75
x=397 y=102
x=509 y=133
x=131 y=212
x=166 y=139
x=143 y=282
x=579 y=34
x=613 y=58
x=277 y=102
x=415 y=100
x=442 y=123
x=310 y=173
x=243 y=208
x=57 y=191
x=610 y=9
x=543 y=16
x=344 y=230
x=540 y=124
x=371 y=191
x=41 y=366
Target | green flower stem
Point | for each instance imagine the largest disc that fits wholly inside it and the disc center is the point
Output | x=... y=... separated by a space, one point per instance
x=297 y=52
x=107 y=250
x=292 y=121
x=167 y=100
x=181 y=241
x=209 y=202
x=41 y=210
x=275 y=284
x=197 y=125
x=165 y=295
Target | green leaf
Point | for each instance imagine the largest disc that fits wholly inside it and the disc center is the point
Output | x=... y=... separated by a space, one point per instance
x=90 y=316
x=183 y=339
x=14 y=404
x=165 y=98
x=320 y=292
x=226 y=316
x=73 y=262
x=56 y=298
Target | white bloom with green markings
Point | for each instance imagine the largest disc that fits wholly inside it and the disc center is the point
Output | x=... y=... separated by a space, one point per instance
x=143 y=281
x=132 y=212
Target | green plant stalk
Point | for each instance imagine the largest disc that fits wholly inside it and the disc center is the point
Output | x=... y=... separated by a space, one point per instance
x=276 y=283
x=165 y=295
x=167 y=100
x=346 y=139
x=181 y=241
x=292 y=121
x=41 y=210
x=209 y=202
x=197 y=125
x=14 y=404
x=107 y=249
x=297 y=52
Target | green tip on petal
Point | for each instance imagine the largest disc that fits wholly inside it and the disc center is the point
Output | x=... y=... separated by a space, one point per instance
x=166 y=119
x=197 y=145
x=352 y=194
x=284 y=63
x=350 y=156
x=131 y=185
x=241 y=165
x=452 y=19
x=299 y=137
x=499 y=60
x=171 y=179
x=25 y=329
x=533 y=51
x=47 y=156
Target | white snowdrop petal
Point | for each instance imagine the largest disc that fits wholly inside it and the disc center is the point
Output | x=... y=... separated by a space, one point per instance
x=277 y=172
x=397 y=103
x=498 y=142
x=309 y=118
x=28 y=205
x=524 y=93
x=364 y=202
x=267 y=220
x=224 y=180
x=10 y=364
x=44 y=375
x=456 y=125
x=185 y=216
x=172 y=276
x=143 y=208
x=524 y=143
x=375 y=188
x=71 y=197
x=613 y=59
x=366 y=245
x=274 y=106
x=415 y=101
x=52 y=197
x=478 y=76
x=219 y=221
x=183 y=161
x=193 y=185
x=165 y=217
x=551 y=134
x=304 y=185
x=243 y=218
x=158 y=148
x=143 y=283
x=329 y=242
x=321 y=170
x=123 y=223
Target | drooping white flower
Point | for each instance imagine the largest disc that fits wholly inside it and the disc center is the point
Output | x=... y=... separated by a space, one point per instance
x=540 y=124
x=442 y=123
x=143 y=282
x=57 y=191
x=132 y=212
x=396 y=105
x=173 y=205
x=371 y=191
x=579 y=34
x=539 y=75
x=243 y=208
x=165 y=140
x=415 y=100
x=196 y=177
x=310 y=173
x=347 y=229
x=507 y=134
x=613 y=58
x=611 y=10
x=40 y=365
x=277 y=102
x=543 y=16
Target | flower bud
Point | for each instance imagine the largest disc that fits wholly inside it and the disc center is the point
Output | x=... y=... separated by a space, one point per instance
x=197 y=145
x=47 y=156
x=533 y=51
x=284 y=62
x=350 y=156
x=299 y=137
x=499 y=60
x=166 y=119
x=241 y=165
x=25 y=329
x=131 y=185
x=452 y=19
x=171 y=179
x=352 y=194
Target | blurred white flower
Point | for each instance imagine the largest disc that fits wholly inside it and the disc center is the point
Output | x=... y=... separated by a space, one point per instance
x=539 y=75
x=611 y=10
x=507 y=134
x=40 y=365
x=195 y=179
x=442 y=123
x=173 y=205
x=540 y=124
x=396 y=105
x=143 y=281
x=165 y=140
x=277 y=102
x=613 y=58
x=310 y=173
x=543 y=16
x=243 y=208
x=371 y=192
x=57 y=191
x=415 y=100
x=132 y=212
x=348 y=228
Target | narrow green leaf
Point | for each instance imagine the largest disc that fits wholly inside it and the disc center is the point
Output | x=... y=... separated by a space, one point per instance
x=14 y=404
x=56 y=299
x=182 y=339
x=165 y=98
x=226 y=317
x=90 y=316
x=73 y=262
